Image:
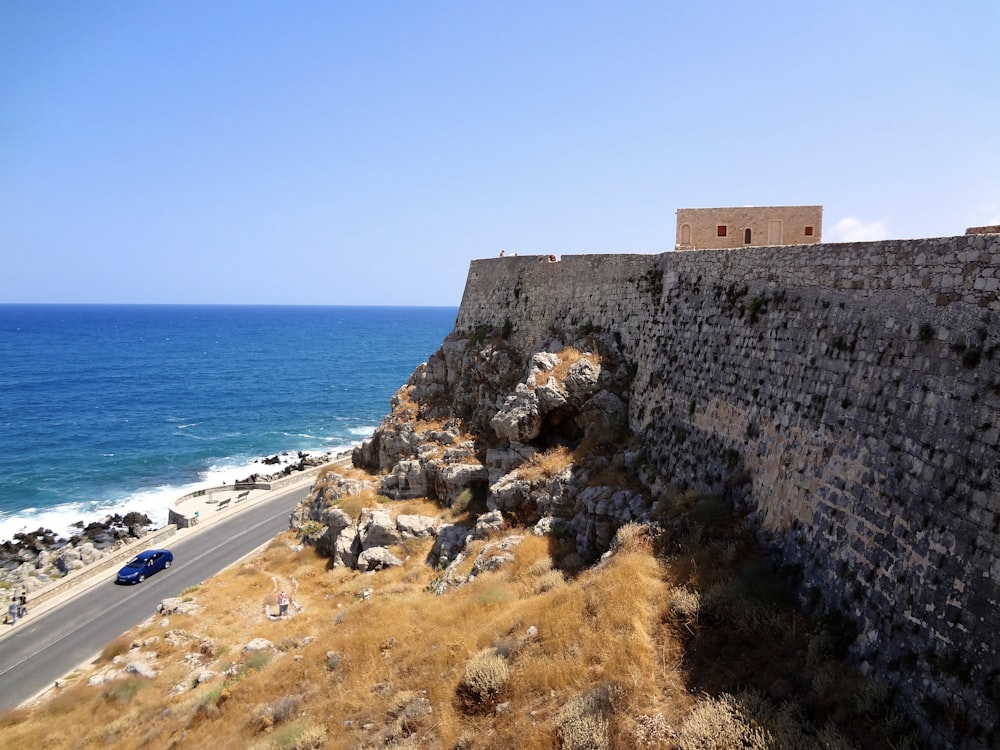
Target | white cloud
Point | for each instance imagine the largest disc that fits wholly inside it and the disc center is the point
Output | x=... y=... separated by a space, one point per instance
x=853 y=229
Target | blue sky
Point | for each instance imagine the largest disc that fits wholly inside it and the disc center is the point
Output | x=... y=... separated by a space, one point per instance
x=365 y=152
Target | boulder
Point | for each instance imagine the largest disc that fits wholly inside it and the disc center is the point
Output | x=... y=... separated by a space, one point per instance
x=495 y=555
x=519 y=420
x=416 y=526
x=488 y=524
x=140 y=668
x=346 y=548
x=451 y=540
x=512 y=494
x=377 y=558
x=406 y=479
x=175 y=605
x=581 y=380
x=258 y=644
x=377 y=529
x=69 y=559
x=603 y=418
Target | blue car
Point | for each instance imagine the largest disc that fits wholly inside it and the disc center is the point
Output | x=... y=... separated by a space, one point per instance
x=143 y=565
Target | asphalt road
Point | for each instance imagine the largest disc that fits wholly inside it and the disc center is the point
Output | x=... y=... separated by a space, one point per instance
x=41 y=649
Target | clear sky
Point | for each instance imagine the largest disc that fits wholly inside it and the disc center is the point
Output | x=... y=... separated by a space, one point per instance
x=364 y=152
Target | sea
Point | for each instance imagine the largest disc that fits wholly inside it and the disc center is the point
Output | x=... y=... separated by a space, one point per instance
x=108 y=409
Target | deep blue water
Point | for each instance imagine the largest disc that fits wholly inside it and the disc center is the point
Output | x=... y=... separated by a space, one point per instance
x=109 y=408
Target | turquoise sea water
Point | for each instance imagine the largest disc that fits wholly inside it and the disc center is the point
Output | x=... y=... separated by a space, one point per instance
x=123 y=407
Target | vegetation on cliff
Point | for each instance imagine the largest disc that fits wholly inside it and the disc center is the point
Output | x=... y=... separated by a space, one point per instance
x=489 y=575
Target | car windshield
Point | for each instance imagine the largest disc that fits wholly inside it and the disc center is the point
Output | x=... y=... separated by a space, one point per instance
x=135 y=562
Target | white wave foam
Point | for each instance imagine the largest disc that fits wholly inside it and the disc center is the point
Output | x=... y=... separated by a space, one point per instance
x=153 y=502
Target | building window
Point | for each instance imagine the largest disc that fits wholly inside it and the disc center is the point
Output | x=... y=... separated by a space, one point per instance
x=746 y=236
x=721 y=230
x=809 y=231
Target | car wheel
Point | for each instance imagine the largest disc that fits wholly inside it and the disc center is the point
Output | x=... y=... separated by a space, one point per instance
x=166 y=564
x=142 y=578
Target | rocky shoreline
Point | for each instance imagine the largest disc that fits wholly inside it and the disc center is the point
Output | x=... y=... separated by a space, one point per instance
x=34 y=559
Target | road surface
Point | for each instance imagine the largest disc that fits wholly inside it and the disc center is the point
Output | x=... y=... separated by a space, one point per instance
x=44 y=647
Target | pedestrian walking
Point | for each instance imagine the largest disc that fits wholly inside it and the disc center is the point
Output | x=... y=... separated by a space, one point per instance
x=282 y=604
x=12 y=611
x=22 y=608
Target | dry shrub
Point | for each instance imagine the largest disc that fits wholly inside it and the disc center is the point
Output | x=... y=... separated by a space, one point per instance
x=277 y=712
x=548 y=581
x=417 y=507
x=352 y=505
x=484 y=679
x=729 y=604
x=117 y=647
x=539 y=567
x=567 y=358
x=685 y=604
x=631 y=537
x=295 y=736
x=722 y=722
x=544 y=466
x=583 y=722
x=653 y=733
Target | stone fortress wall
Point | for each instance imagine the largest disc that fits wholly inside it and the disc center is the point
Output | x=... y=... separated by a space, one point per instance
x=853 y=390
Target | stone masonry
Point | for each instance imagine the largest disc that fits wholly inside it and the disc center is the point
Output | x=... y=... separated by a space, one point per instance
x=851 y=394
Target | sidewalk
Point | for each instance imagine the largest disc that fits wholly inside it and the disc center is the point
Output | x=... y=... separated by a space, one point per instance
x=212 y=506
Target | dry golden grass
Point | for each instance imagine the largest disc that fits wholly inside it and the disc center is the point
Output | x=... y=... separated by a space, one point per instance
x=544 y=466
x=567 y=358
x=619 y=656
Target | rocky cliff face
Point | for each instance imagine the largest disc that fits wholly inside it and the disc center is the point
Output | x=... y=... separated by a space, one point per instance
x=534 y=439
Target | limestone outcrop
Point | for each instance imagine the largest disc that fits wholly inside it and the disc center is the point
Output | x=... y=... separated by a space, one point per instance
x=479 y=423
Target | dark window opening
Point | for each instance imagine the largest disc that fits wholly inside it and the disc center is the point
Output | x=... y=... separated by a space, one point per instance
x=746 y=236
x=721 y=230
x=809 y=231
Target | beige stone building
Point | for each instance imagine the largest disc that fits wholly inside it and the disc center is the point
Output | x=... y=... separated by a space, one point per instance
x=748 y=226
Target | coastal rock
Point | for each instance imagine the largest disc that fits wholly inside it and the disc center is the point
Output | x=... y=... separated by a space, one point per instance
x=502 y=461
x=69 y=559
x=336 y=523
x=320 y=504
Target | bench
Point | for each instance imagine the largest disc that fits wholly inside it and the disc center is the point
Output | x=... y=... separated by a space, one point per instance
x=242 y=496
x=224 y=503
